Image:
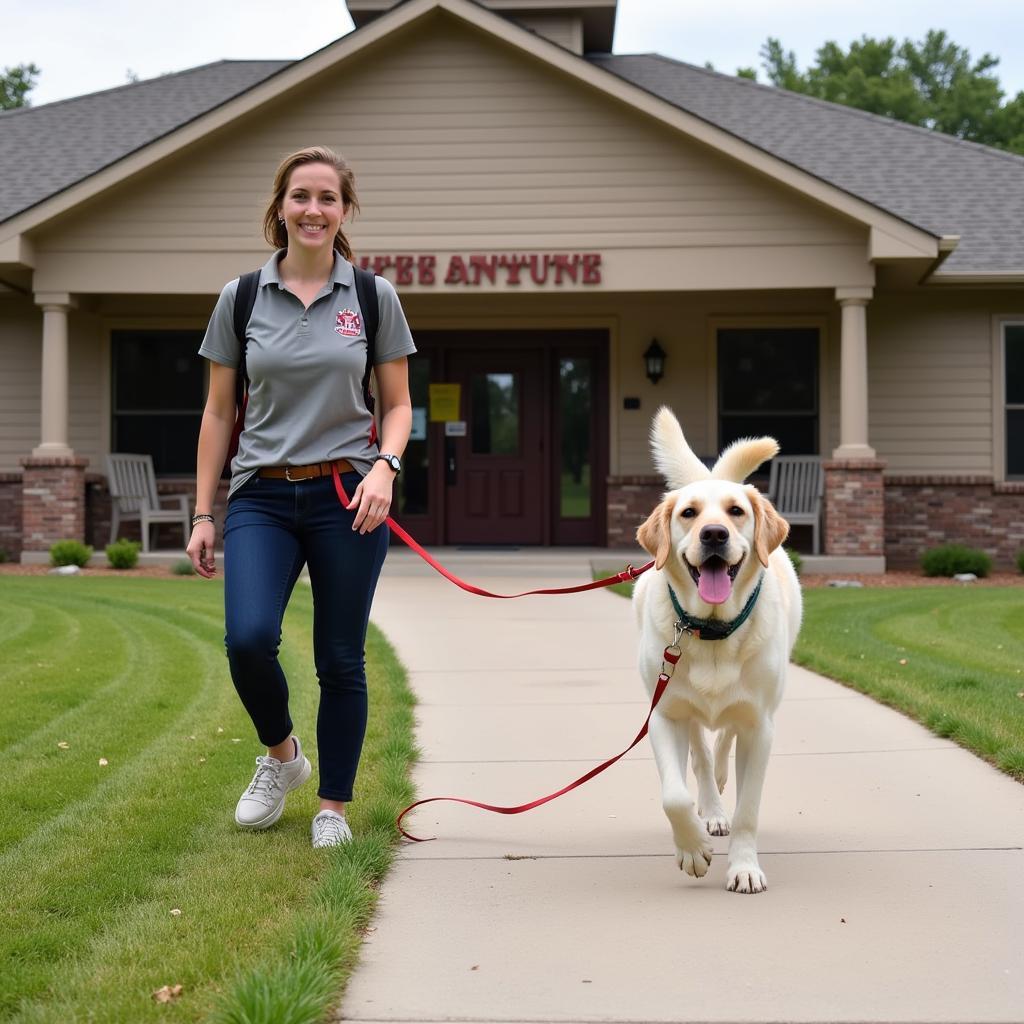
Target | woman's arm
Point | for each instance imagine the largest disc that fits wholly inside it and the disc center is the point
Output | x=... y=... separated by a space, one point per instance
x=372 y=498
x=214 y=438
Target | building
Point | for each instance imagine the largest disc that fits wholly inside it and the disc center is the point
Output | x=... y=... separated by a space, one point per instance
x=547 y=210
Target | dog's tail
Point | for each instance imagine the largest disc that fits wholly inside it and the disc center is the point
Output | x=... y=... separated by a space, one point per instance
x=723 y=748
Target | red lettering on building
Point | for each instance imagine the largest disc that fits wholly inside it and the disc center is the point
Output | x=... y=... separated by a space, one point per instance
x=480 y=268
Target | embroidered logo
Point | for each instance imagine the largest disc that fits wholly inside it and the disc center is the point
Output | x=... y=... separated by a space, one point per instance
x=348 y=323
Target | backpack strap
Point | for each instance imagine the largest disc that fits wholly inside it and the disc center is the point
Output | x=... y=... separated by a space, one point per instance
x=245 y=300
x=366 y=292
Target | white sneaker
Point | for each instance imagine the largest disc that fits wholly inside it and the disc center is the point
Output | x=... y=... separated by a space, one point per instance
x=263 y=802
x=330 y=829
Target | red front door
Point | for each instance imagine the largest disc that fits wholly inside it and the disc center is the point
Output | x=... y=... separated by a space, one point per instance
x=494 y=473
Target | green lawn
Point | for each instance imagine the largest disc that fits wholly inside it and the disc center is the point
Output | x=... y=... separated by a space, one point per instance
x=93 y=858
x=950 y=657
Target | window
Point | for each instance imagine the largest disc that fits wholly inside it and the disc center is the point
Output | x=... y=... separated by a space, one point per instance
x=158 y=392
x=768 y=384
x=1013 y=364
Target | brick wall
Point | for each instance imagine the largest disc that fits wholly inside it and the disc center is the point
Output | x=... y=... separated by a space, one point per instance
x=854 y=507
x=52 y=501
x=924 y=511
x=630 y=501
x=10 y=516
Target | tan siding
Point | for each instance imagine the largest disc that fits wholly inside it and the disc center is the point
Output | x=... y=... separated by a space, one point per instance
x=88 y=412
x=21 y=327
x=460 y=143
x=930 y=370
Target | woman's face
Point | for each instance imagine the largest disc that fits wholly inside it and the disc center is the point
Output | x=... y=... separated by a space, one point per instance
x=312 y=207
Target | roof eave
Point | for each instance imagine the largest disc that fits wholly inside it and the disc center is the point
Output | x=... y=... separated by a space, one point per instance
x=898 y=233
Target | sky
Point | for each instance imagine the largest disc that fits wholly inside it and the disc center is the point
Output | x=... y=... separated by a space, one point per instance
x=86 y=46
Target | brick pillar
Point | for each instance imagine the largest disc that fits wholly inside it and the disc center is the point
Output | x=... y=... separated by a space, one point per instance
x=53 y=503
x=854 y=507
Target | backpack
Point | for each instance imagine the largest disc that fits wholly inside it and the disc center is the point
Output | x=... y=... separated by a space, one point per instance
x=245 y=300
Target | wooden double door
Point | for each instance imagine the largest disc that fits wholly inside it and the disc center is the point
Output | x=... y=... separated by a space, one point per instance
x=525 y=459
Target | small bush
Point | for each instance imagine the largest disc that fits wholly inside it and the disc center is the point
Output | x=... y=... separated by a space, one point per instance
x=123 y=554
x=183 y=567
x=1020 y=560
x=70 y=552
x=950 y=559
x=794 y=557
x=3 y=556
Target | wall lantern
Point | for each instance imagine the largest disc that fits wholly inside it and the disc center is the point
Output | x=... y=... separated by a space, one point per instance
x=654 y=361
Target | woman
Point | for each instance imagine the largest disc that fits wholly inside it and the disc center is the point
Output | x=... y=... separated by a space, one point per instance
x=305 y=358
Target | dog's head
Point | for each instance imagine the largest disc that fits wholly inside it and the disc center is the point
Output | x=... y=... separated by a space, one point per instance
x=711 y=524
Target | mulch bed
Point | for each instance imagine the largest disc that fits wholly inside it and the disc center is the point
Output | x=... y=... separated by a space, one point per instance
x=16 y=569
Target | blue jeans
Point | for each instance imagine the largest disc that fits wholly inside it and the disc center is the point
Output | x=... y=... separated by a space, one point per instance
x=272 y=528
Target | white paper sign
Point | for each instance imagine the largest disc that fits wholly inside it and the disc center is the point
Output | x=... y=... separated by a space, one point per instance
x=419 y=424
x=455 y=428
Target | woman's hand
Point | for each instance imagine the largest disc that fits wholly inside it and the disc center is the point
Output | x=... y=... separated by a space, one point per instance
x=372 y=498
x=200 y=550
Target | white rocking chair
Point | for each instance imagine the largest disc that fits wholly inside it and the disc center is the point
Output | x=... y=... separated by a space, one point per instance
x=796 y=487
x=133 y=495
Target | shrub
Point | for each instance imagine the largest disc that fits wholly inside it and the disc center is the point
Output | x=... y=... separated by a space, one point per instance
x=3 y=555
x=70 y=552
x=123 y=554
x=950 y=559
x=794 y=557
x=1020 y=560
x=183 y=567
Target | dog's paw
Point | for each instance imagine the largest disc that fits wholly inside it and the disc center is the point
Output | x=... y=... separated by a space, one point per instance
x=746 y=878
x=695 y=861
x=717 y=822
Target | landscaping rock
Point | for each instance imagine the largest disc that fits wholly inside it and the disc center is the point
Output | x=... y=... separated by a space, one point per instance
x=965 y=577
x=65 y=570
x=845 y=583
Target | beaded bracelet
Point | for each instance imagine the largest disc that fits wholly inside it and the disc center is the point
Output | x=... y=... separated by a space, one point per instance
x=202 y=518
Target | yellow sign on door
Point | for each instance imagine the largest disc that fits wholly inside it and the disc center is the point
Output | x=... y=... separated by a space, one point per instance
x=444 y=402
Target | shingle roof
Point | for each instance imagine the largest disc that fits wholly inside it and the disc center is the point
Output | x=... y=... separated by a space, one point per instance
x=44 y=150
x=934 y=181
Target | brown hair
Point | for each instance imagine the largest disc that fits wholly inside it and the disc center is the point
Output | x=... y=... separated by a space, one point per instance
x=273 y=230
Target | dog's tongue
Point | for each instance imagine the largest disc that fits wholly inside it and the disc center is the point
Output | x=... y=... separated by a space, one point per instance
x=714 y=585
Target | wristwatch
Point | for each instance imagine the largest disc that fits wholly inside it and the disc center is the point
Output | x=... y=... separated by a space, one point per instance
x=393 y=461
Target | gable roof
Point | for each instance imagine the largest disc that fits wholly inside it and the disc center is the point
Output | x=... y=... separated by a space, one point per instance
x=938 y=182
x=44 y=150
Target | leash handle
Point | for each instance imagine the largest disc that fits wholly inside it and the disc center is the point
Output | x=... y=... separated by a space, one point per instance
x=663 y=680
x=627 y=575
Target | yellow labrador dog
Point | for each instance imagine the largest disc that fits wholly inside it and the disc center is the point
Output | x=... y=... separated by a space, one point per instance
x=722 y=578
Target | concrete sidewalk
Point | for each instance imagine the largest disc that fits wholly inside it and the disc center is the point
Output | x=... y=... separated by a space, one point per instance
x=894 y=859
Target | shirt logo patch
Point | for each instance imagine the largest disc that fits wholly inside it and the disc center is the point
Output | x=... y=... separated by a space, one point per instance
x=348 y=323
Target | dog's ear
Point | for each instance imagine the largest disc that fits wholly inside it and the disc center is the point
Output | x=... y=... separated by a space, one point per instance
x=742 y=457
x=770 y=529
x=655 y=535
x=672 y=454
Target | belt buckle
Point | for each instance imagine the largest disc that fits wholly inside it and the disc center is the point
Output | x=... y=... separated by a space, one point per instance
x=288 y=476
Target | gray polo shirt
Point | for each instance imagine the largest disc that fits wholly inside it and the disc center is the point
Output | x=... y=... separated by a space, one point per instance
x=305 y=369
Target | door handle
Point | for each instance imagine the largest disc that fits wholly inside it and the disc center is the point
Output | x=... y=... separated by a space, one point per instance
x=449 y=462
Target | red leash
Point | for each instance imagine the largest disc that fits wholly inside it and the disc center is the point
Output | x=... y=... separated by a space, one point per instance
x=626 y=576
x=670 y=657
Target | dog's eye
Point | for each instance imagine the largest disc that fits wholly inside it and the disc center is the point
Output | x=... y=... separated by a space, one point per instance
x=688 y=513
x=736 y=511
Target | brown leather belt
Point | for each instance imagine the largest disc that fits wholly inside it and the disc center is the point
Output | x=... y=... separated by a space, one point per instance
x=317 y=469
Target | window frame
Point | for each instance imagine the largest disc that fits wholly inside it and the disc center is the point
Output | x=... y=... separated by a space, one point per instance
x=1000 y=405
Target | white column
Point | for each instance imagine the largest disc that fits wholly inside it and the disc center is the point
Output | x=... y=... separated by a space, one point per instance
x=54 y=404
x=853 y=376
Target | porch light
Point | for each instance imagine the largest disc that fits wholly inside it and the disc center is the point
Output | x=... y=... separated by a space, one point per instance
x=654 y=361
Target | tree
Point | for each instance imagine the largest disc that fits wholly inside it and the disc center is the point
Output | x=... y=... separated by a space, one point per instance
x=934 y=84
x=15 y=85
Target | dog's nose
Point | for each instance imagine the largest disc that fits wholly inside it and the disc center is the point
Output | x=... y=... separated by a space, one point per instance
x=713 y=535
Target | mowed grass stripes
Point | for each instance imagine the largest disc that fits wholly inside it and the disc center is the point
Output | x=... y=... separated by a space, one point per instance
x=952 y=658
x=94 y=857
